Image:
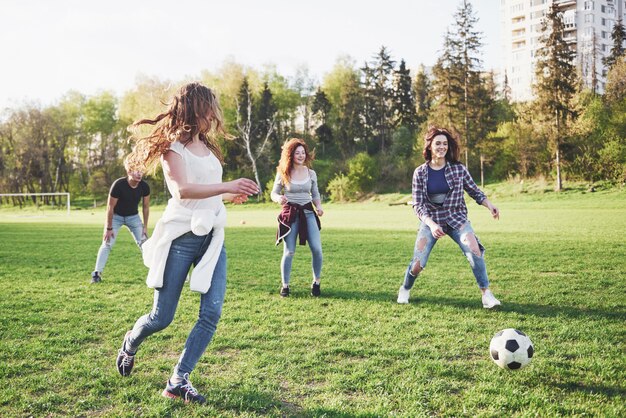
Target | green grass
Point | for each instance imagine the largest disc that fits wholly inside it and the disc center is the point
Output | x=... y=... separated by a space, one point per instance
x=557 y=263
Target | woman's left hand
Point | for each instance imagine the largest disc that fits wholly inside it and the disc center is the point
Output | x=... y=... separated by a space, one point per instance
x=236 y=199
x=495 y=212
x=319 y=210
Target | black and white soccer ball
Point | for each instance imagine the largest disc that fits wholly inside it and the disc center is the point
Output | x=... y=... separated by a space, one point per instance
x=511 y=349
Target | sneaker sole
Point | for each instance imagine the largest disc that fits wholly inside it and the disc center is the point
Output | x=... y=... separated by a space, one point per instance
x=169 y=395
x=491 y=306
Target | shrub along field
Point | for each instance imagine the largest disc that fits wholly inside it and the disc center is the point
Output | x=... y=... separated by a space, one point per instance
x=557 y=263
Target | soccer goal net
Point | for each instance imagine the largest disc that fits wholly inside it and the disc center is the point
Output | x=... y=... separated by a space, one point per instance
x=50 y=200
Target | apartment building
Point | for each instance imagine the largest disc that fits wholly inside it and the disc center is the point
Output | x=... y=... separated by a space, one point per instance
x=588 y=26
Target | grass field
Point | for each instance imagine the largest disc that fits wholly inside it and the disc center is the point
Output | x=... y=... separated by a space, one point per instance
x=558 y=264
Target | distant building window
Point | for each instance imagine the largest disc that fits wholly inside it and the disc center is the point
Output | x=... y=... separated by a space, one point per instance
x=538 y=14
x=603 y=8
x=589 y=18
x=588 y=31
x=517 y=7
x=603 y=22
x=605 y=35
x=589 y=5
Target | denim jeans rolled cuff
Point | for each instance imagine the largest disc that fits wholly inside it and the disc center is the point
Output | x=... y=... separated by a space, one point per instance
x=185 y=251
x=409 y=278
x=314 y=241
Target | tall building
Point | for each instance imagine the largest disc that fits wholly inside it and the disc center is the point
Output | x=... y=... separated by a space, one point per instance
x=588 y=26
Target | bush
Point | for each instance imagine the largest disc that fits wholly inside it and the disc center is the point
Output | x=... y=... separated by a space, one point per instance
x=268 y=190
x=340 y=189
x=362 y=171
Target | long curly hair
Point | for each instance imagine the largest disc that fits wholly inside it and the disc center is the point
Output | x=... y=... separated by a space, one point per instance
x=193 y=110
x=285 y=165
x=453 y=153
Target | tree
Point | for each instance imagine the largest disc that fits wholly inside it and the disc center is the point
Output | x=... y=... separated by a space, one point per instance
x=447 y=85
x=254 y=128
x=403 y=106
x=484 y=113
x=618 y=36
x=422 y=94
x=469 y=44
x=321 y=108
x=304 y=85
x=616 y=83
x=343 y=89
x=556 y=81
x=378 y=89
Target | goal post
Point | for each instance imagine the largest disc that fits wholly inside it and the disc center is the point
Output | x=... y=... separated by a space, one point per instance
x=67 y=196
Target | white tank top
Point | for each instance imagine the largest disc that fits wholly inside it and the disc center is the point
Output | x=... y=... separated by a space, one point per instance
x=199 y=170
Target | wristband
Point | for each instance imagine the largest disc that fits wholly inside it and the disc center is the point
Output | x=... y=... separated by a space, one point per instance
x=109 y=229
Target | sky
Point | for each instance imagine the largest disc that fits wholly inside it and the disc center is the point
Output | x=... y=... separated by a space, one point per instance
x=50 y=47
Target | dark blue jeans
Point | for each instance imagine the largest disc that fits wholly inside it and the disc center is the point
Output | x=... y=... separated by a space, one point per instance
x=185 y=250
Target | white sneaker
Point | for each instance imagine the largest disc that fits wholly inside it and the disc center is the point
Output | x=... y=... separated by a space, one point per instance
x=489 y=300
x=403 y=295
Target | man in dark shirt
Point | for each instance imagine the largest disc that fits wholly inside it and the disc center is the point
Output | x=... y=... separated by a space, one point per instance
x=122 y=209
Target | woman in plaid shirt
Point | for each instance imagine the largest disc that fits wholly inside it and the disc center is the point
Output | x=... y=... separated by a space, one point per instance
x=438 y=187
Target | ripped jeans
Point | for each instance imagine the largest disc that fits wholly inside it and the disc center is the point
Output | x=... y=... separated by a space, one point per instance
x=425 y=243
x=185 y=250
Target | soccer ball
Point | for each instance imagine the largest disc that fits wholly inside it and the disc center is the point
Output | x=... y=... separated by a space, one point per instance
x=511 y=349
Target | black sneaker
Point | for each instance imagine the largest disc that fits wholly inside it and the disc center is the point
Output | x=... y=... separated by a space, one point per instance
x=183 y=391
x=95 y=277
x=125 y=361
x=315 y=289
x=284 y=291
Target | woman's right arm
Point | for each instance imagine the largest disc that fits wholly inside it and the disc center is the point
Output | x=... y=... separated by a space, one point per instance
x=420 y=207
x=174 y=169
x=276 y=194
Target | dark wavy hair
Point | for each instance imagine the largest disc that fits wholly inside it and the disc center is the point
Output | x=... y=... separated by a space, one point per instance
x=194 y=103
x=453 y=144
x=286 y=158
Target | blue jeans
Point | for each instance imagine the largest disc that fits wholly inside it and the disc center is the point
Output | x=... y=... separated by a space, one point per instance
x=133 y=223
x=425 y=243
x=289 y=248
x=185 y=250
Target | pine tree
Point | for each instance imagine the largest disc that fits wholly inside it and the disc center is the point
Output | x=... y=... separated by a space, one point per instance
x=378 y=88
x=556 y=81
x=506 y=88
x=403 y=106
x=321 y=108
x=422 y=94
x=469 y=44
x=447 y=85
x=618 y=36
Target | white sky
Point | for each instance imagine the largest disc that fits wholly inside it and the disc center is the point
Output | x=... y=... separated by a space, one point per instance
x=49 y=47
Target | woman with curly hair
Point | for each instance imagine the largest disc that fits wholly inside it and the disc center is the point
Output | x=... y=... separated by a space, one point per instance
x=438 y=189
x=295 y=188
x=191 y=230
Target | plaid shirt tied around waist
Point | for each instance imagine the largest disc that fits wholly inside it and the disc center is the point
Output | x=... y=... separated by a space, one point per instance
x=453 y=211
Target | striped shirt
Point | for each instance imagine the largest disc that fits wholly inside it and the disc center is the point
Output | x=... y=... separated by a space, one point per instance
x=453 y=211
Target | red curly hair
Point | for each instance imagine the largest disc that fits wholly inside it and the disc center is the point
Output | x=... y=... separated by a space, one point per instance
x=285 y=165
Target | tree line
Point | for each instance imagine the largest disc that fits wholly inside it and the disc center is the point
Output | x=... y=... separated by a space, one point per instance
x=364 y=121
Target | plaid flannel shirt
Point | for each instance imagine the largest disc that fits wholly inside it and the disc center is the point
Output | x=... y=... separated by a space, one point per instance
x=453 y=211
